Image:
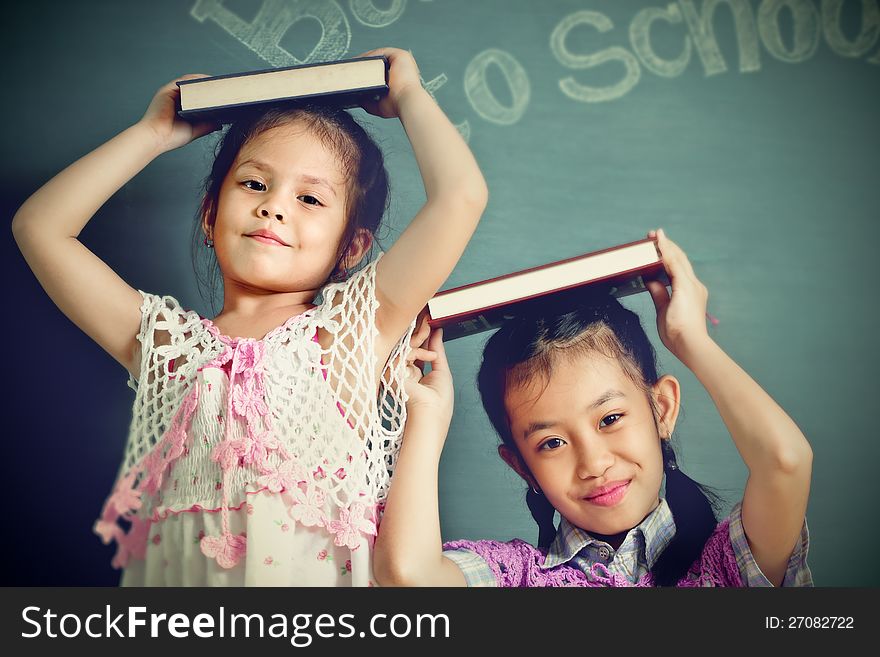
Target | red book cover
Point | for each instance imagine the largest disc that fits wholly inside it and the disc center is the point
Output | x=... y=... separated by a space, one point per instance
x=484 y=305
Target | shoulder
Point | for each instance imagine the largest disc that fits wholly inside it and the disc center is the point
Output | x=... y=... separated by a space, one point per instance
x=716 y=565
x=357 y=292
x=156 y=307
x=494 y=563
x=510 y=564
x=164 y=322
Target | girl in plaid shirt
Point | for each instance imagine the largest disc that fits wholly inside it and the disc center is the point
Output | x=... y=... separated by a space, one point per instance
x=587 y=422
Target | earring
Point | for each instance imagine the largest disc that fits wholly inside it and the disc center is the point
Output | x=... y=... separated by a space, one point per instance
x=536 y=491
x=669 y=461
x=209 y=242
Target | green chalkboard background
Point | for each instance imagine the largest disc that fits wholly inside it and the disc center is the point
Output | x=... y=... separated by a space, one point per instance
x=749 y=130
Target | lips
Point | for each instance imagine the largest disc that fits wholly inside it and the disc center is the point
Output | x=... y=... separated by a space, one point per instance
x=267 y=237
x=610 y=494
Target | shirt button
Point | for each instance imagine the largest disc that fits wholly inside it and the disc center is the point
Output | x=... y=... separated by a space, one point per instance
x=604 y=553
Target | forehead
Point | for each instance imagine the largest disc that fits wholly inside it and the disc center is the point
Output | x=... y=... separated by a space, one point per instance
x=292 y=145
x=574 y=382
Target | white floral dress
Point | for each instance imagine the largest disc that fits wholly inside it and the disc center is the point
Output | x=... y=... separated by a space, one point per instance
x=258 y=462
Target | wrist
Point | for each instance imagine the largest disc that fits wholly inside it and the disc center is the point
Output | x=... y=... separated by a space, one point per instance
x=414 y=92
x=695 y=350
x=427 y=419
x=151 y=138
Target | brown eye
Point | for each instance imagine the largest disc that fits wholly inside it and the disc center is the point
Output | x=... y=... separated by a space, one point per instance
x=608 y=420
x=308 y=199
x=255 y=185
x=552 y=443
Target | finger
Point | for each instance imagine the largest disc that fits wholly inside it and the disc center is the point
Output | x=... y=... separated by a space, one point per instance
x=435 y=344
x=673 y=251
x=411 y=382
x=413 y=372
x=376 y=52
x=423 y=325
x=422 y=330
x=189 y=76
x=671 y=261
x=422 y=354
x=659 y=295
x=204 y=128
x=192 y=76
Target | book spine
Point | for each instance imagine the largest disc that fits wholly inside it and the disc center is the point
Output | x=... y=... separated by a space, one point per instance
x=231 y=113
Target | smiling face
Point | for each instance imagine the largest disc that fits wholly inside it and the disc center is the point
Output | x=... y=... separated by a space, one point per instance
x=588 y=439
x=280 y=212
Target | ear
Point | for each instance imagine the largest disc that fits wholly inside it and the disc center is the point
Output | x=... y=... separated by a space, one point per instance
x=360 y=244
x=512 y=458
x=207 y=224
x=667 y=399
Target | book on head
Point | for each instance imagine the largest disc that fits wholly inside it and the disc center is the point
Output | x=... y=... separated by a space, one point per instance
x=484 y=305
x=345 y=82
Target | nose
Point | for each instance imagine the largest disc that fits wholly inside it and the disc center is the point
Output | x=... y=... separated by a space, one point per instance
x=271 y=209
x=593 y=458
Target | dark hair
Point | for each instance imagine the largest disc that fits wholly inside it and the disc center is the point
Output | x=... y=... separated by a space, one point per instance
x=528 y=344
x=359 y=155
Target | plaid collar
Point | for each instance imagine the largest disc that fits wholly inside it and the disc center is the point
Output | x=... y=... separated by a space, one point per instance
x=645 y=542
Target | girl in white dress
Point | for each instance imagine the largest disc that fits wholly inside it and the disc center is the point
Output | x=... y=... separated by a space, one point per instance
x=262 y=440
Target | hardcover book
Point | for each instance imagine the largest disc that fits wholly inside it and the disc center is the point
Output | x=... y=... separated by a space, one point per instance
x=484 y=305
x=346 y=82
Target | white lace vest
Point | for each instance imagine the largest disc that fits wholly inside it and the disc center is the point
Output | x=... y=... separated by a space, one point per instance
x=216 y=419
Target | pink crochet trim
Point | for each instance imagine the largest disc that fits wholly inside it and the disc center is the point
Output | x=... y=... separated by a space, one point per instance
x=352 y=522
x=227 y=549
x=172 y=445
x=243 y=361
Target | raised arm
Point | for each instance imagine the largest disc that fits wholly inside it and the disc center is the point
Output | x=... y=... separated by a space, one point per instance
x=426 y=252
x=46 y=227
x=775 y=451
x=408 y=550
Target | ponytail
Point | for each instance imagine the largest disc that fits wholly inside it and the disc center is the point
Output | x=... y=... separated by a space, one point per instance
x=542 y=513
x=694 y=522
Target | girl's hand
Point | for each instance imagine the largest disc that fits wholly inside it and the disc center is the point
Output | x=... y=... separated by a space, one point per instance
x=430 y=393
x=403 y=77
x=681 y=319
x=161 y=117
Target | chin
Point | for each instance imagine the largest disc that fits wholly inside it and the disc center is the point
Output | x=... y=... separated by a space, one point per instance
x=616 y=522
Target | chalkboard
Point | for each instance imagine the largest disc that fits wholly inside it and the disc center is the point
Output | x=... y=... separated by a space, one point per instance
x=748 y=129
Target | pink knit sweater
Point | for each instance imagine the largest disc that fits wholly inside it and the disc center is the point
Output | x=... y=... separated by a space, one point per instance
x=518 y=564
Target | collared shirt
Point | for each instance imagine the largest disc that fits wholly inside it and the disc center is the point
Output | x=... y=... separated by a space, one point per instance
x=638 y=552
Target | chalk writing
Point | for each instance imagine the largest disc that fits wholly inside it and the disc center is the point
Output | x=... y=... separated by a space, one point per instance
x=754 y=23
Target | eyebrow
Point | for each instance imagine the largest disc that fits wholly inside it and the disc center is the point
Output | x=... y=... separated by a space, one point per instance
x=606 y=396
x=312 y=180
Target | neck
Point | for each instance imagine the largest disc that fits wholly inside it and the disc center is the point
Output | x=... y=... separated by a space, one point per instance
x=243 y=301
x=614 y=540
